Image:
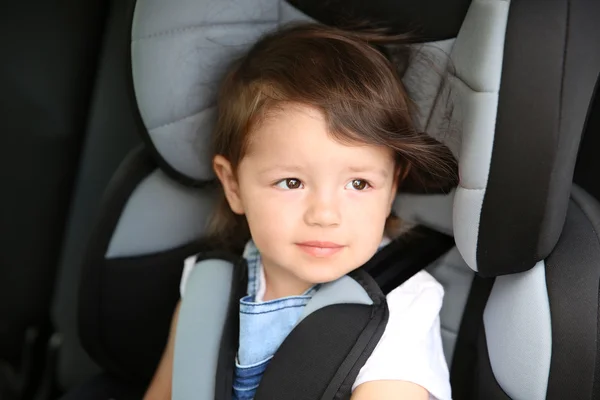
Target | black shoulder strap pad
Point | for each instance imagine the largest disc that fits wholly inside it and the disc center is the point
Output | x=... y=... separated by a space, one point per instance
x=404 y=257
x=323 y=354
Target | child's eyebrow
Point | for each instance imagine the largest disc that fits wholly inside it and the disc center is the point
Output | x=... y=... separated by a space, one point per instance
x=280 y=167
x=363 y=169
x=296 y=168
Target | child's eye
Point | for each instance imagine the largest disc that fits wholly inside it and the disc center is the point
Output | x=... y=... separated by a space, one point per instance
x=358 y=184
x=289 y=183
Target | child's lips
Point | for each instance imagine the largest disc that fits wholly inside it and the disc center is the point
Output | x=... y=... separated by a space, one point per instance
x=320 y=248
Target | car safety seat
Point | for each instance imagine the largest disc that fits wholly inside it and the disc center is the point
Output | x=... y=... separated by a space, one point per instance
x=506 y=85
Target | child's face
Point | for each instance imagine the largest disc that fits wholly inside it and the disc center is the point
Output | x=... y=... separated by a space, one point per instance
x=316 y=208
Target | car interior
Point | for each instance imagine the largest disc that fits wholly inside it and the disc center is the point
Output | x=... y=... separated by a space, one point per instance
x=108 y=186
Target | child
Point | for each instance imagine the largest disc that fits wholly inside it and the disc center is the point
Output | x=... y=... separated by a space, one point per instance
x=313 y=139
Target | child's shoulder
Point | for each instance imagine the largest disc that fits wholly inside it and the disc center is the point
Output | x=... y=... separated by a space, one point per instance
x=422 y=281
x=410 y=348
x=419 y=297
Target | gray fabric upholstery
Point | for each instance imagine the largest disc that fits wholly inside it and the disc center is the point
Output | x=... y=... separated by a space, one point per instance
x=160 y=215
x=433 y=211
x=421 y=82
x=424 y=80
x=519 y=333
x=477 y=59
x=198 y=340
x=455 y=276
x=179 y=54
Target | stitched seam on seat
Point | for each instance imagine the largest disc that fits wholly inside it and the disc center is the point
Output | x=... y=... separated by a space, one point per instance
x=589 y=218
x=459 y=78
x=448 y=330
x=462 y=269
x=475 y=189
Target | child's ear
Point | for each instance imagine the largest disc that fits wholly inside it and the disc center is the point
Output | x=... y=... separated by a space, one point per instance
x=226 y=175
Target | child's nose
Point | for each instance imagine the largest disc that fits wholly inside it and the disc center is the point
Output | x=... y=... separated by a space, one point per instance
x=323 y=210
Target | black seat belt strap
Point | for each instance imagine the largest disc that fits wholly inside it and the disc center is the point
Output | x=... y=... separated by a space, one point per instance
x=404 y=257
x=464 y=365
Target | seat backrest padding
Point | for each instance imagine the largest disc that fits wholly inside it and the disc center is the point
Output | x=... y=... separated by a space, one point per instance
x=519 y=333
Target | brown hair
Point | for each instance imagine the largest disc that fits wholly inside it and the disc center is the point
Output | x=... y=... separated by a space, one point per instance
x=346 y=76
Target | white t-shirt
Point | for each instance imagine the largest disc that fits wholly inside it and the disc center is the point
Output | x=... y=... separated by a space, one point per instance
x=411 y=346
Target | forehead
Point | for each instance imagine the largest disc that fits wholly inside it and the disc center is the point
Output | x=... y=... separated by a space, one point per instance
x=296 y=131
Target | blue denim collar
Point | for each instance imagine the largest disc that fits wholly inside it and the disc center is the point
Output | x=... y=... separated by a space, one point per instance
x=256 y=274
x=280 y=315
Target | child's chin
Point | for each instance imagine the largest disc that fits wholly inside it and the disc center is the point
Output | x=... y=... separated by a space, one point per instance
x=320 y=277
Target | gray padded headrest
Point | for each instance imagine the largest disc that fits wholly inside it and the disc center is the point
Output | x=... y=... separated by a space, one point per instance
x=474 y=87
x=178 y=54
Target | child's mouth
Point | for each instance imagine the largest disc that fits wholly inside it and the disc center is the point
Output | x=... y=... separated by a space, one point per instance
x=320 y=249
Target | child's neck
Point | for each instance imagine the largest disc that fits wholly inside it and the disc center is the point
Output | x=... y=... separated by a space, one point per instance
x=280 y=283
